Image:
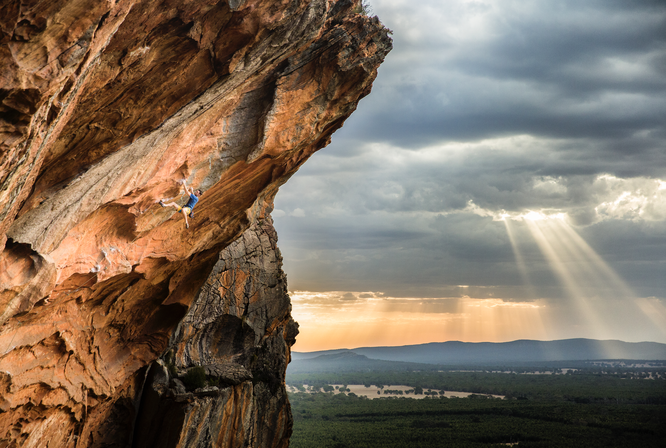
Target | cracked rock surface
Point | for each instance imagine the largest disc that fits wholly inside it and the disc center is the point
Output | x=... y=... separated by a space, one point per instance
x=237 y=332
x=106 y=107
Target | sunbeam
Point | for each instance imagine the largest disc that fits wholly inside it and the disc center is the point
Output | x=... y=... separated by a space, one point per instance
x=602 y=299
x=566 y=268
x=520 y=262
x=654 y=310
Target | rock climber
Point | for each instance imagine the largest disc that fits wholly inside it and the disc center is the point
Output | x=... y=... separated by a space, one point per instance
x=187 y=210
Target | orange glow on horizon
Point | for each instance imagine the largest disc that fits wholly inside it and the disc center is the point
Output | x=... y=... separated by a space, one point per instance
x=333 y=320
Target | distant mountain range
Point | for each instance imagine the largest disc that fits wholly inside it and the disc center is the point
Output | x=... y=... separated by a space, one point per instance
x=347 y=361
x=489 y=353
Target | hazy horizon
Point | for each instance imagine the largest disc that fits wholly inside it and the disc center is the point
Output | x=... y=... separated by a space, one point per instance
x=480 y=342
x=505 y=179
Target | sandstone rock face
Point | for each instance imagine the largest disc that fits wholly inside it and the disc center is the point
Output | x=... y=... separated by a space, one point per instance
x=107 y=301
x=238 y=330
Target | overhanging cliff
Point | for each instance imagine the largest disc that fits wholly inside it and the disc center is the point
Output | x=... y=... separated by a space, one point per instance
x=107 y=301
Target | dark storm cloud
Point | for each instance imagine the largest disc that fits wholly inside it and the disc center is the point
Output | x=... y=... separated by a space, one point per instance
x=512 y=175
x=484 y=108
x=591 y=69
x=440 y=251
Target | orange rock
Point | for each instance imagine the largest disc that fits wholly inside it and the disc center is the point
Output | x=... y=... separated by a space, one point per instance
x=105 y=107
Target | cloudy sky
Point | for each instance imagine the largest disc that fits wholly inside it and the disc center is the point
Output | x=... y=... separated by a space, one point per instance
x=505 y=179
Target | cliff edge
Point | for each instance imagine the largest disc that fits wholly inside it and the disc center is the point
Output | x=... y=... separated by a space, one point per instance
x=118 y=326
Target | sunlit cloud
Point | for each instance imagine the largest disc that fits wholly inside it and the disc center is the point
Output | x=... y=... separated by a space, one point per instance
x=610 y=197
x=634 y=199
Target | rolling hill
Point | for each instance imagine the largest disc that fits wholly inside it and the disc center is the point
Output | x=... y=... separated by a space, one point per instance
x=466 y=353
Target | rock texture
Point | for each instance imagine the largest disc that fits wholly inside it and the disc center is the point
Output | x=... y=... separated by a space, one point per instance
x=238 y=330
x=106 y=300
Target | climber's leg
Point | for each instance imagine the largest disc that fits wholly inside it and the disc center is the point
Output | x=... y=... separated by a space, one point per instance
x=185 y=211
x=170 y=204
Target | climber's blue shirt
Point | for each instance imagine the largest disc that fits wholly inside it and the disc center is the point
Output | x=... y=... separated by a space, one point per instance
x=192 y=202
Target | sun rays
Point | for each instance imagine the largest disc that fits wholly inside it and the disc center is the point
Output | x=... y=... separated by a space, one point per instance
x=602 y=300
x=588 y=299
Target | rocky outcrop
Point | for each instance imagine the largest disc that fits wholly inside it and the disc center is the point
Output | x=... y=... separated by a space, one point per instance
x=237 y=332
x=107 y=301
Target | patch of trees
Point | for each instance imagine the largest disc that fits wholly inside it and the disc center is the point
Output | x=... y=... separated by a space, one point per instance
x=583 y=386
x=334 y=420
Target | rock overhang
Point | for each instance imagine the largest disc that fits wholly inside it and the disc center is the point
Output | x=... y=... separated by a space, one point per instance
x=107 y=107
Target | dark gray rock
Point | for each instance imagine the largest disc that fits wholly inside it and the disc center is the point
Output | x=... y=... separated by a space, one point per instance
x=239 y=331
